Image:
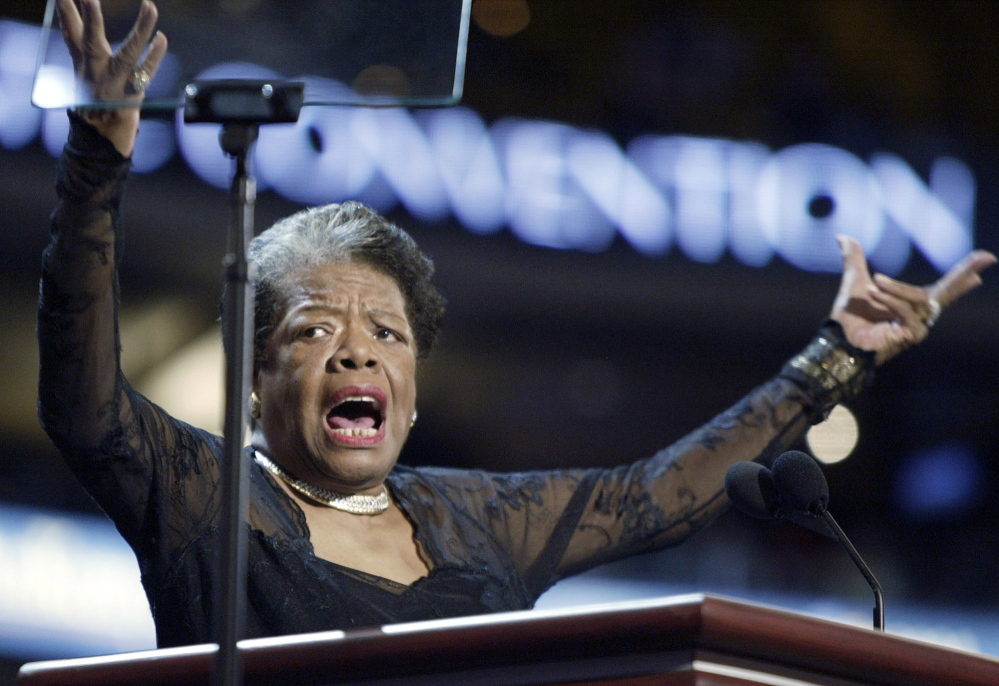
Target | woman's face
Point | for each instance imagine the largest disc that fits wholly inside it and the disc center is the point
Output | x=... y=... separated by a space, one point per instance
x=338 y=390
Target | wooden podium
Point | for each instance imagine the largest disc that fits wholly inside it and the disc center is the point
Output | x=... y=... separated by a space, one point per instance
x=684 y=640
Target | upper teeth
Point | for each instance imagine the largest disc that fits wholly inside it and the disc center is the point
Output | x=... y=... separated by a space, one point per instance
x=359 y=399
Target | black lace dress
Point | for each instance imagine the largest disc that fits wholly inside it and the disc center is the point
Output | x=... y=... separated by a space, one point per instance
x=494 y=541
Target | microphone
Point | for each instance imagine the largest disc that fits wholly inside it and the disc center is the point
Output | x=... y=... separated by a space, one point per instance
x=801 y=482
x=797 y=490
x=751 y=488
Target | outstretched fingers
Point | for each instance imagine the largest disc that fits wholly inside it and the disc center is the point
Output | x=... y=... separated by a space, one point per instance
x=916 y=306
x=95 y=46
x=886 y=315
x=157 y=49
x=139 y=37
x=900 y=289
x=909 y=305
x=71 y=25
x=108 y=73
x=853 y=256
x=856 y=277
x=962 y=277
x=114 y=77
x=927 y=302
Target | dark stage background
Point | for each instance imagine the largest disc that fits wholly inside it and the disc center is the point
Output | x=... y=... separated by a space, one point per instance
x=555 y=358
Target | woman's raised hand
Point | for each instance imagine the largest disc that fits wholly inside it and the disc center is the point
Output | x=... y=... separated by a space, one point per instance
x=887 y=316
x=112 y=76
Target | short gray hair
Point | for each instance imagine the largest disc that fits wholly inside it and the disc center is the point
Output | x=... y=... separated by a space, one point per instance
x=338 y=234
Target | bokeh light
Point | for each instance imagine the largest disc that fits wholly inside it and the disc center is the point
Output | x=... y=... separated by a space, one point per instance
x=941 y=482
x=501 y=18
x=834 y=439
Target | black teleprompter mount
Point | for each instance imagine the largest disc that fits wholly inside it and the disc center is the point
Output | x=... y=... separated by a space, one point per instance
x=241 y=106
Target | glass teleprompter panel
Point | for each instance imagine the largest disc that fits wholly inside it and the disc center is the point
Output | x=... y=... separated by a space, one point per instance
x=347 y=52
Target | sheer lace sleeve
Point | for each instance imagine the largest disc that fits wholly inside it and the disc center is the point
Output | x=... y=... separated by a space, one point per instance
x=154 y=476
x=560 y=523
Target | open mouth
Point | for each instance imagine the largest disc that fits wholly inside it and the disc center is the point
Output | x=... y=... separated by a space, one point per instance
x=357 y=415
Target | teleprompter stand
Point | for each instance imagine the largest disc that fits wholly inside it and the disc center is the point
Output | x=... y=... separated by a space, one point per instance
x=241 y=106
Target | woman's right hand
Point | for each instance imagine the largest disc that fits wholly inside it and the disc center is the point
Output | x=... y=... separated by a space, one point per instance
x=112 y=76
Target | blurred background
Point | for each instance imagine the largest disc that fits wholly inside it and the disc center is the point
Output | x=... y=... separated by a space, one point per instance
x=631 y=215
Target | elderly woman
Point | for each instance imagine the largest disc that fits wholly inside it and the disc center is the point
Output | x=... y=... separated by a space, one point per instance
x=339 y=534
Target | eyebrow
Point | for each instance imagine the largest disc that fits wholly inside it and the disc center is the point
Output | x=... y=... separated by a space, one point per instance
x=319 y=307
x=388 y=313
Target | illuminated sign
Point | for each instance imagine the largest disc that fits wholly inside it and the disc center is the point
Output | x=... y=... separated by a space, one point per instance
x=559 y=186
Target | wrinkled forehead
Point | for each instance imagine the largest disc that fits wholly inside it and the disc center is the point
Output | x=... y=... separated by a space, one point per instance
x=342 y=285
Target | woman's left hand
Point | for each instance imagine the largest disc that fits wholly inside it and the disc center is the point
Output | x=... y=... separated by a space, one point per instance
x=888 y=316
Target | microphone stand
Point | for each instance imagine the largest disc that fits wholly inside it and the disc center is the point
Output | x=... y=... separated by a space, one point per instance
x=753 y=489
x=240 y=106
x=802 y=485
x=879 y=604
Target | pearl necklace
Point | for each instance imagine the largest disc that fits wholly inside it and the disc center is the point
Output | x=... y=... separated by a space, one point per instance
x=354 y=504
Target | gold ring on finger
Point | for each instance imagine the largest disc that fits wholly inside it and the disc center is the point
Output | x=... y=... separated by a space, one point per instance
x=140 y=79
x=933 y=312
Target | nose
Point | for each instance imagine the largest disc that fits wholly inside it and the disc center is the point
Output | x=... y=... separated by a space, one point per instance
x=356 y=351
